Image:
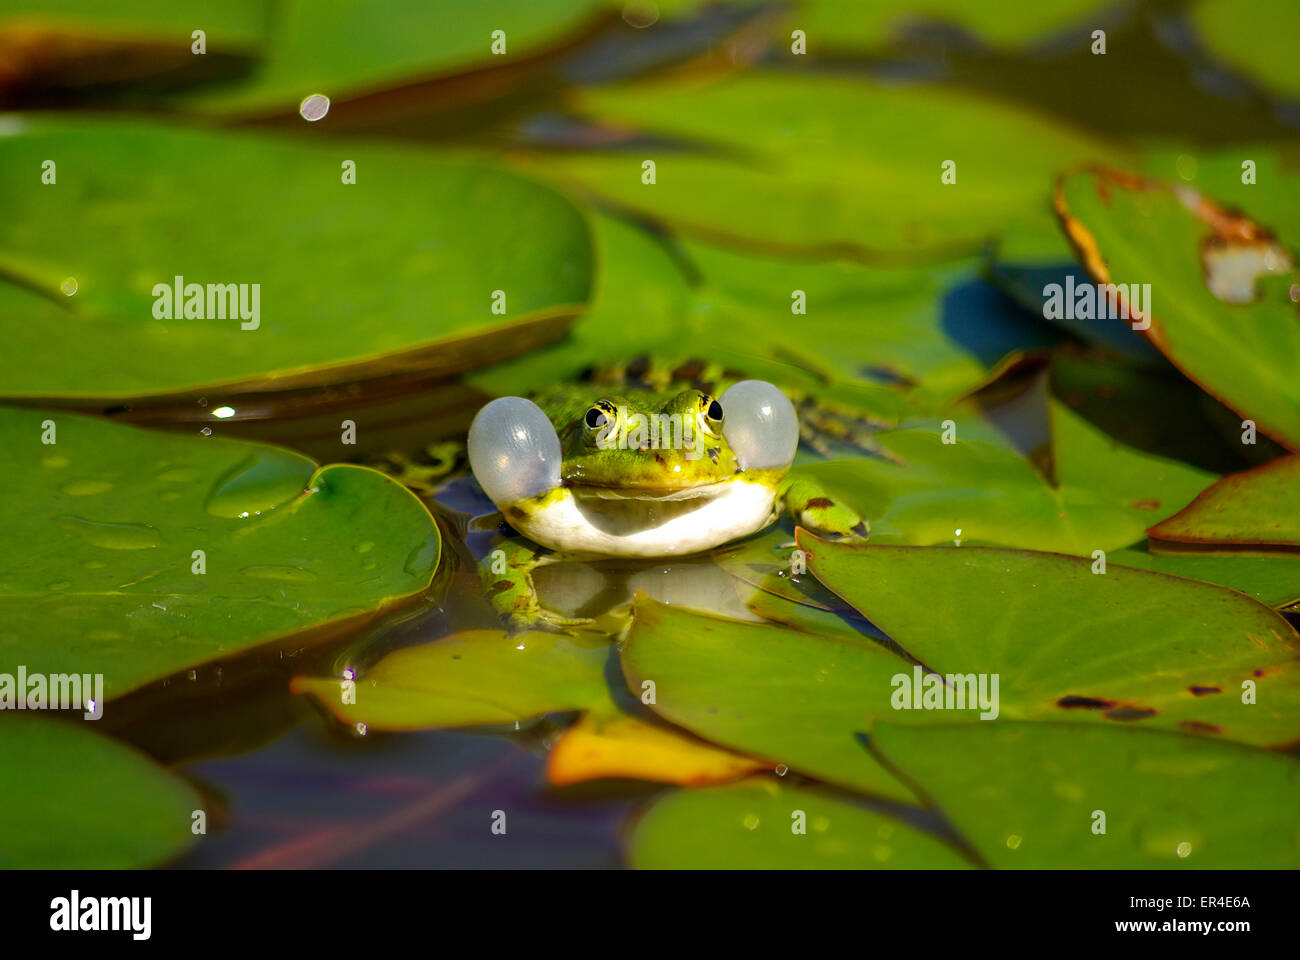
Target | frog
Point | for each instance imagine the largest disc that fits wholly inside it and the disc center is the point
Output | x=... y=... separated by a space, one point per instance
x=637 y=472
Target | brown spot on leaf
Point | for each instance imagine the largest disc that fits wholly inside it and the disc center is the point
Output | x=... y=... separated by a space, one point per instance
x=1126 y=712
x=1146 y=504
x=1085 y=703
x=1196 y=726
x=1202 y=691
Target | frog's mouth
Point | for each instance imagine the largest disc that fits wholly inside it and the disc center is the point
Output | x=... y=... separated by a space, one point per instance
x=640 y=522
x=699 y=491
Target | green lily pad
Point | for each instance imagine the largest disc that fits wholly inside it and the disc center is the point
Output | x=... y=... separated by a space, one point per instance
x=792 y=697
x=82 y=801
x=1104 y=498
x=393 y=275
x=1254 y=37
x=1141 y=648
x=848 y=25
x=1243 y=353
x=1272 y=580
x=888 y=340
x=1028 y=795
x=817 y=152
x=1254 y=510
x=105 y=523
x=752 y=826
x=476 y=677
x=338 y=48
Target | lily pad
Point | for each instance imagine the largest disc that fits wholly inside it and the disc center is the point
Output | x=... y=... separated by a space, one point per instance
x=888 y=341
x=1028 y=795
x=849 y=25
x=338 y=48
x=1254 y=37
x=1273 y=580
x=393 y=275
x=77 y=800
x=794 y=698
x=752 y=826
x=1254 y=510
x=104 y=523
x=1222 y=312
x=471 y=678
x=1152 y=649
x=489 y=678
x=981 y=491
x=855 y=175
x=614 y=745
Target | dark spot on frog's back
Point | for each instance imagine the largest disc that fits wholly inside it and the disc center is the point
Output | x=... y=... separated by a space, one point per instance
x=713 y=454
x=516 y=513
x=1084 y=703
x=500 y=587
x=819 y=503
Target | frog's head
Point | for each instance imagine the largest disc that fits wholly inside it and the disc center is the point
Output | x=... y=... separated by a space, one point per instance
x=637 y=474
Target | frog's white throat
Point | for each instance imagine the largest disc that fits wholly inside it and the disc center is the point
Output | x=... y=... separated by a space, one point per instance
x=594 y=523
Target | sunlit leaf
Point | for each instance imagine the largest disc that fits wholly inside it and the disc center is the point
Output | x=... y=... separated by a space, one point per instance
x=763 y=824
x=1033 y=795
x=391 y=275
x=105 y=524
x=1144 y=648
x=1254 y=510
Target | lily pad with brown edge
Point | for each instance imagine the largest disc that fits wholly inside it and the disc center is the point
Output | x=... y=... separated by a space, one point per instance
x=766 y=824
x=1049 y=795
x=1255 y=511
x=136 y=554
x=1094 y=493
x=819 y=171
x=1152 y=650
x=390 y=277
x=791 y=697
x=1219 y=283
x=489 y=678
x=78 y=800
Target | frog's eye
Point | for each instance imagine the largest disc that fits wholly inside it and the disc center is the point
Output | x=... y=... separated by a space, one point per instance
x=713 y=411
x=762 y=427
x=595 y=418
x=710 y=415
x=513 y=450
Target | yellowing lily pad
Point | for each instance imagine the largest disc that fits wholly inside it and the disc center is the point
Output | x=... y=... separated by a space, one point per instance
x=394 y=275
x=619 y=745
x=137 y=554
x=1254 y=510
x=78 y=800
x=1144 y=648
x=1048 y=796
x=764 y=824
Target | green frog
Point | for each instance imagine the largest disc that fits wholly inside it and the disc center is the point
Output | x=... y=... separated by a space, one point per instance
x=635 y=473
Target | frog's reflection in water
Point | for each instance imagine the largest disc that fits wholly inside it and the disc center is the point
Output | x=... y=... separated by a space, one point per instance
x=589 y=589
